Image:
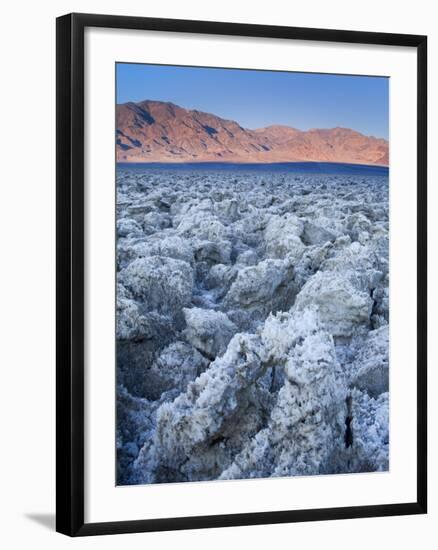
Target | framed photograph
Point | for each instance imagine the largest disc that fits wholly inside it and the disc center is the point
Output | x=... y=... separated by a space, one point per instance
x=241 y=274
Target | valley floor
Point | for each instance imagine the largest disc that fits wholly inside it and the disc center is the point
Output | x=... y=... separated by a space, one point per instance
x=252 y=325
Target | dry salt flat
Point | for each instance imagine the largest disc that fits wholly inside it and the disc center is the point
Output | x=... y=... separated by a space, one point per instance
x=252 y=324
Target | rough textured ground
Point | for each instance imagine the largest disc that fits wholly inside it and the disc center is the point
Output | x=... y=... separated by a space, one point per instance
x=252 y=325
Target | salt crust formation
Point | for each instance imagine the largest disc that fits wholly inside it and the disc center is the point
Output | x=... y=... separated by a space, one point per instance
x=252 y=325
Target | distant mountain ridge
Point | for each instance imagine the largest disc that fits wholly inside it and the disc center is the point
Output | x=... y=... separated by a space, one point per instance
x=157 y=131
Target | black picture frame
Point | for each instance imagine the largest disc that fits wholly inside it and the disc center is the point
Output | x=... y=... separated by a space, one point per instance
x=70 y=273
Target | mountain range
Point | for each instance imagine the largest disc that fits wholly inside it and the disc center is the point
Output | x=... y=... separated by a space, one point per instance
x=157 y=131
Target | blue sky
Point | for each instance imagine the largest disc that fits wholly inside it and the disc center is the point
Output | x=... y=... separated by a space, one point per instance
x=259 y=98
